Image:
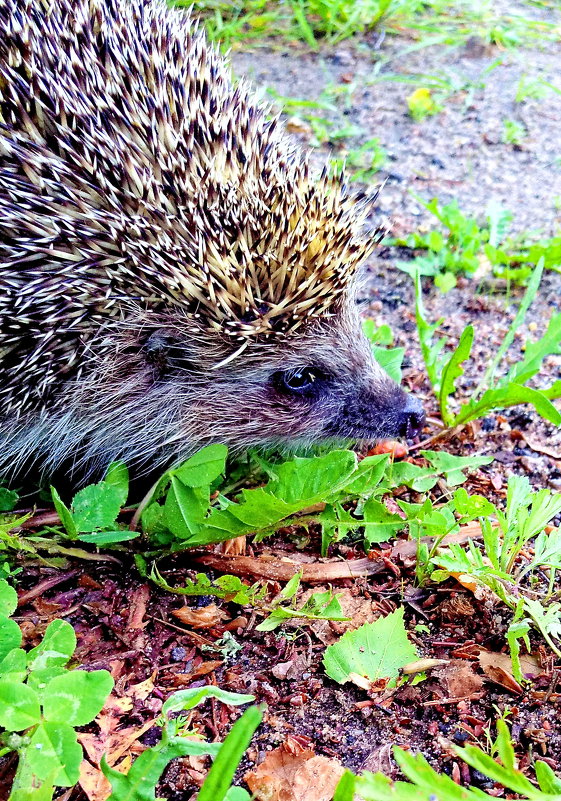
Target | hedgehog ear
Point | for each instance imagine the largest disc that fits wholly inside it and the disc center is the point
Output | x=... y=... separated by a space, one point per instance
x=165 y=354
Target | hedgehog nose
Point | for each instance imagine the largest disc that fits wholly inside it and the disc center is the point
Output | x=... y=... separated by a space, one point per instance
x=412 y=418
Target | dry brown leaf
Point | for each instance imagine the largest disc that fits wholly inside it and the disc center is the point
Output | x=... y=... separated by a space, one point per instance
x=539 y=447
x=137 y=610
x=300 y=776
x=498 y=668
x=204 y=617
x=458 y=678
x=141 y=691
x=93 y=782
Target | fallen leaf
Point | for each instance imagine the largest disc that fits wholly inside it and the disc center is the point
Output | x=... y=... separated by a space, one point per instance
x=458 y=678
x=286 y=776
x=204 y=617
x=498 y=669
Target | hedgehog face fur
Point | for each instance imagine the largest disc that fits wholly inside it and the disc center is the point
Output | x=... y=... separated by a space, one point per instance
x=170 y=272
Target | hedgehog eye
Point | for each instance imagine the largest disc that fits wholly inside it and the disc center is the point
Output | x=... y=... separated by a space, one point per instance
x=298 y=381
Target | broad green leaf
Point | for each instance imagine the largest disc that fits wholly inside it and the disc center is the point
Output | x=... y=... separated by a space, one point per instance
x=96 y=506
x=452 y=466
x=452 y=370
x=8 y=499
x=8 y=598
x=306 y=481
x=367 y=476
x=55 y=744
x=77 y=696
x=13 y=666
x=10 y=636
x=185 y=508
x=203 y=467
x=390 y=360
x=64 y=513
x=117 y=476
x=375 y=650
x=183 y=700
x=19 y=706
x=56 y=648
x=221 y=774
x=420 y=479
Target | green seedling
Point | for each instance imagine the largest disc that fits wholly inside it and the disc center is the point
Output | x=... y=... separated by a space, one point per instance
x=513 y=132
x=92 y=516
x=444 y=368
x=425 y=783
x=177 y=741
x=463 y=246
x=323 y=605
x=422 y=103
x=42 y=701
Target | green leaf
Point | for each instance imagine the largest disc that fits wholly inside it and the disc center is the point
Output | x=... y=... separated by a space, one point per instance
x=303 y=481
x=183 y=700
x=64 y=513
x=219 y=778
x=96 y=506
x=375 y=650
x=503 y=397
x=55 y=744
x=56 y=648
x=13 y=666
x=19 y=706
x=453 y=466
x=77 y=696
x=380 y=524
x=8 y=499
x=117 y=476
x=140 y=782
x=237 y=794
x=452 y=370
x=185 y=508
x=203 y=467
x=346 y=788
x=547 y=780
x=100 y=538
x=10 y=636
x=536 y=352
x=8 y=598
x=390 y=360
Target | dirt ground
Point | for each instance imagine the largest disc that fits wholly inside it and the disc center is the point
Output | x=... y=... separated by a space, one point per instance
x=125 y=624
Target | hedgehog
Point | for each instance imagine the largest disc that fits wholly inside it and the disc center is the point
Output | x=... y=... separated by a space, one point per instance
x=173 y=272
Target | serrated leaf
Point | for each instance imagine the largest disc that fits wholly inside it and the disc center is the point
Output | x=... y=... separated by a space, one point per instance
x=19 y=706
x=379 y=523
x=375 y=650
x=96 y=506
x=390 y=360
x=203 y=467
x=504 y=397
x=185 y=508
x=77 y=696
x=56 y=648
x=453 y=467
